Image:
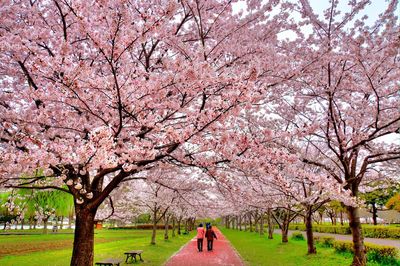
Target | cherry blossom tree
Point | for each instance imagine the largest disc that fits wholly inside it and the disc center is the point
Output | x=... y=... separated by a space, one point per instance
x=93 y=92
x=346 y=102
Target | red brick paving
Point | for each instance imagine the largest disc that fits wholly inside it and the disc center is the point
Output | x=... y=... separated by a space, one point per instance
x=222 y=254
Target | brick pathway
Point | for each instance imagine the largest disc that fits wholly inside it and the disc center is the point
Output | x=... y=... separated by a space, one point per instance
x=222 y=254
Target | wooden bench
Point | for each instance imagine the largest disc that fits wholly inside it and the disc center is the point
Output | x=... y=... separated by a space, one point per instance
x=109 y=262
x=132 y=254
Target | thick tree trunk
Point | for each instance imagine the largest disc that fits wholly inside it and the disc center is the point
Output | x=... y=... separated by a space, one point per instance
x=22 y=223
x=166 y=227
x=359 y=258
x=270 y=225
x=309 y=232
x=284 y=233
x=82 y=253
x=285 y=228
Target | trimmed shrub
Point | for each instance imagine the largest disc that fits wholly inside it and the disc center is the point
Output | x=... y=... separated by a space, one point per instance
x=342 y=246
x=385 y=255
x=377 y=231
x=297 y=236
x=382 y=254
x=381 y=232
x=325 y=241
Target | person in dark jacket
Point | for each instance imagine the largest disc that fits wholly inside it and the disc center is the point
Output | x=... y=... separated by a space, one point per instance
x=208 y=225
x=210 y=235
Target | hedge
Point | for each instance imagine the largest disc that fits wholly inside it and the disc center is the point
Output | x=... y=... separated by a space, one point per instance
x=368 y=231
x=325 y=241
x=382 y=254
x=297 y=236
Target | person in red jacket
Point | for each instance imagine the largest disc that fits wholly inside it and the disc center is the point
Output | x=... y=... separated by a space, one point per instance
x=200 y=237
x=210 y=235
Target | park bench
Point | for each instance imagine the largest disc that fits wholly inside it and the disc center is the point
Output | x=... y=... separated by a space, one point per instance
x=109 y=262
x=132 y=255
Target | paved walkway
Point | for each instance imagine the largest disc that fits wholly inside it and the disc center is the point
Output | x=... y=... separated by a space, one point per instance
x=222 y=254
x=378 y=241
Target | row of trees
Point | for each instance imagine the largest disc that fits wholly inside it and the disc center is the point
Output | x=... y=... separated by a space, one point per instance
x=101 y=94
x=20 y=207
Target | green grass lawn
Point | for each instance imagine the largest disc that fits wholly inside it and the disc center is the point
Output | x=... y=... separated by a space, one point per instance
x=56 y=249
x=256 y=250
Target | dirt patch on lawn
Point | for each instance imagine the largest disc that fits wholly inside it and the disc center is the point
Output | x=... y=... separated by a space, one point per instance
x=22 y=248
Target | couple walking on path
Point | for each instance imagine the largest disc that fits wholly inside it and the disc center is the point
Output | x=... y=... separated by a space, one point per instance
x=209 y=234
x=188 y=255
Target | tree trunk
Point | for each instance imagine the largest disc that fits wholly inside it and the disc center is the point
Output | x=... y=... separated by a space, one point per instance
x=359 y=258
x=82 y=253
x=309 y=232
x=262 y=224
x=166 y=226
x=341 y=217
x=284 y=233
x=237 y=222
x=179 y=225
x=186 y=225
x=153 y=235
x=173 y=226
x=270 y=225
x=45 y=221
x=240 y=223
x=374 y=213
x=22 y=223
x=285 y=227
x=227 y=222
x=256 y=222
x=192 y=224
x=250 y=223
x=61 y=222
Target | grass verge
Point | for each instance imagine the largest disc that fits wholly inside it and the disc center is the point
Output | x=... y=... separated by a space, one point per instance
x=56 y=249
x=256 y=250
